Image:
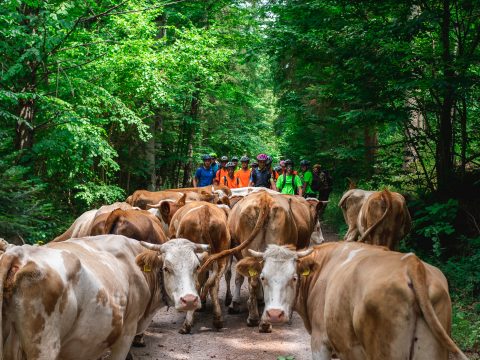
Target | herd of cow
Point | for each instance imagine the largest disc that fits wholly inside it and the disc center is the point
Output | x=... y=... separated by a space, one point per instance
x=94 y=290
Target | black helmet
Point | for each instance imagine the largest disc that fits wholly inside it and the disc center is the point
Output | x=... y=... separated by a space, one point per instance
x=244 y=159
x=277 y=168
x=269 y=160
x=254 y=164
x=206 y=157
x=288 y=162
x=224 y=158
x=235 y=158
x=304 y=163
x=230 y=164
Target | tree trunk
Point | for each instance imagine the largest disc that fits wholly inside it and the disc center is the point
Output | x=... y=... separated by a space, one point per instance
x=444 y=159
x=24 y=127
x=371 y=142
x=150 y=155
x=187 y=170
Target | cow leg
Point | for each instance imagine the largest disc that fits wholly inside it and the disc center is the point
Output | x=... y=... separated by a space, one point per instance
x=228 y=278
x=253 y=317
x=217 y=309
x=234 y=307
x=320 y=350
x=120 y=350
x=188 y=323
x=352 y=234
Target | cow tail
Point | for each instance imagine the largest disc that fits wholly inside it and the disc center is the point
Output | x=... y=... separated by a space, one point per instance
x=262 y=217
x=387 y=197
x=417 y=274
x=344 y=198
x=206 y=227
x=5 y=265
x=112 y=220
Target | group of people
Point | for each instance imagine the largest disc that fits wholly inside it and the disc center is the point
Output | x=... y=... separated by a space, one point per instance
x=306 y=182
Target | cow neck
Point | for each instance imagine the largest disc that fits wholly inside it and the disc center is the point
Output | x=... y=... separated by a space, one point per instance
x=301 y=296
x=163 y=292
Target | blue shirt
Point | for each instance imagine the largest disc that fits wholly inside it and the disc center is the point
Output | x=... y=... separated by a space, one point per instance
x=215 y=166
x=204 y=176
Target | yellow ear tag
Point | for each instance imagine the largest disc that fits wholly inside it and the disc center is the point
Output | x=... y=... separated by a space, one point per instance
x=252 y=272
x=306 y=272
x=147 y=268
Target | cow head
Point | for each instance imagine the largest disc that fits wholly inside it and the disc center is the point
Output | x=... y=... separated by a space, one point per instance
x=279 y=271
x=316 y=207
x=165 y=210
x=177 y=262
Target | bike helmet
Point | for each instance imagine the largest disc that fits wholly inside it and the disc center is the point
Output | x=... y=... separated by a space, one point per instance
x=269 y=160
x=230 y=164
x=304 y=163
x=224 y=158
x=244 y=159
x=262 y=157
x=288 y=162
x=255 y=164
x=206 y=157
x=282 y=163
x=235 y=158
x=277 y=168
x=213 y=155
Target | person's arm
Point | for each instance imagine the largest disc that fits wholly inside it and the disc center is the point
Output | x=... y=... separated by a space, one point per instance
x=300 y=185
x=274 y=186
x=196 y=178
x=251 y=183
x=216 y=180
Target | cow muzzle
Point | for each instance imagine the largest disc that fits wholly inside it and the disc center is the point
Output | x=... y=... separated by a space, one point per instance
x=276 y=316
x=189 y=302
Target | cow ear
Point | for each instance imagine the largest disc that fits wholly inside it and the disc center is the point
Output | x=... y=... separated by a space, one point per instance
x=202 y=256
x=249 y=267
x=306 y=266
x=165 y=209
x=149 y=261
x=225 y=200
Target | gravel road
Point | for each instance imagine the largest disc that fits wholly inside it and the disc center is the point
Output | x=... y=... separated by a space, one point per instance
x=235 y=341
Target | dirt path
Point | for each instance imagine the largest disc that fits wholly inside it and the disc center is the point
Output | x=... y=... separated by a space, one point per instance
x=235 y=341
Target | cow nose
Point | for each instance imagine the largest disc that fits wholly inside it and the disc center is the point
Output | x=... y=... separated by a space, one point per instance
x=189 y=302
x=276 y=315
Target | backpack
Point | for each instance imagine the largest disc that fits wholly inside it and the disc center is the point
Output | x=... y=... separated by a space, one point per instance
x=293 y=183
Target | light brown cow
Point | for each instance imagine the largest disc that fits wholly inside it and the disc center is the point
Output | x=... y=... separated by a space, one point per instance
x=278 y=227
x=351 y=203
x=80 y=298
x=359 y=301
x=83 y=224
x=384 y=219
x=142 y=198
x=136 y=224
x=205 y=223
x=211 y=189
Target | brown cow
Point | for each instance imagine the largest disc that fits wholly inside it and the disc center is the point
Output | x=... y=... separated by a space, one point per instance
x=136 y=224
x=210 y=189
x=279 y=227
x=351 y=203
x=359 y=301
x=83 y=224
x=142 y=198
x=205 y=223
x=384 y=219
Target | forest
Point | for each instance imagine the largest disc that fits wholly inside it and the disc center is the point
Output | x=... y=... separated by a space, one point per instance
x=101 y=98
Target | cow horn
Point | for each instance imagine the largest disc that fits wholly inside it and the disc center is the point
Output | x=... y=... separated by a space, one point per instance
x=256 y=254
x=202 y=247
x=154 y=206
x=154 y=247
x=304 y=253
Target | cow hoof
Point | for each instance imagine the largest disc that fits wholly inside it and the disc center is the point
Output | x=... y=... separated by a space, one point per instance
x=234 y=308
x=265 y=327
x=139 y=341
x=252 y=322
x=186 y=329
x=129 y=356
x=218 y=323
x=228 y=300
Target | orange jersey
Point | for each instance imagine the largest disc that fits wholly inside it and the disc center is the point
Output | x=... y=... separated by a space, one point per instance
x=220 y=174
x=232 y=183
x=243 y=177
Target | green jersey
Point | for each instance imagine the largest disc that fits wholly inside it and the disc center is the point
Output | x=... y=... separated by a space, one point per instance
x=287 y=187
x=307 y=179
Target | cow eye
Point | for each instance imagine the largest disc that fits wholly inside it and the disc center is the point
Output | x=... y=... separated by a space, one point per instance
x=165 y=269
x=262 y=278
x=295 y=278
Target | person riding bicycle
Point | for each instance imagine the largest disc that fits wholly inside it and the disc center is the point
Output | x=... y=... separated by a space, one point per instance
x=204 y=174
x=230 y=180
x=215 y=165
x=307 y=177
x=222 y=171
x=243 y=174
x=290 y=183
x=262 y=177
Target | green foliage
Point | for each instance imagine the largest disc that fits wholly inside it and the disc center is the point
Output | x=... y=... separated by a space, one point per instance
x=466 y=325
x=436 y=222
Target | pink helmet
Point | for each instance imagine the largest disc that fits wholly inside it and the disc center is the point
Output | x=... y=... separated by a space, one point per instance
x=282 y=163
x=262 y=157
